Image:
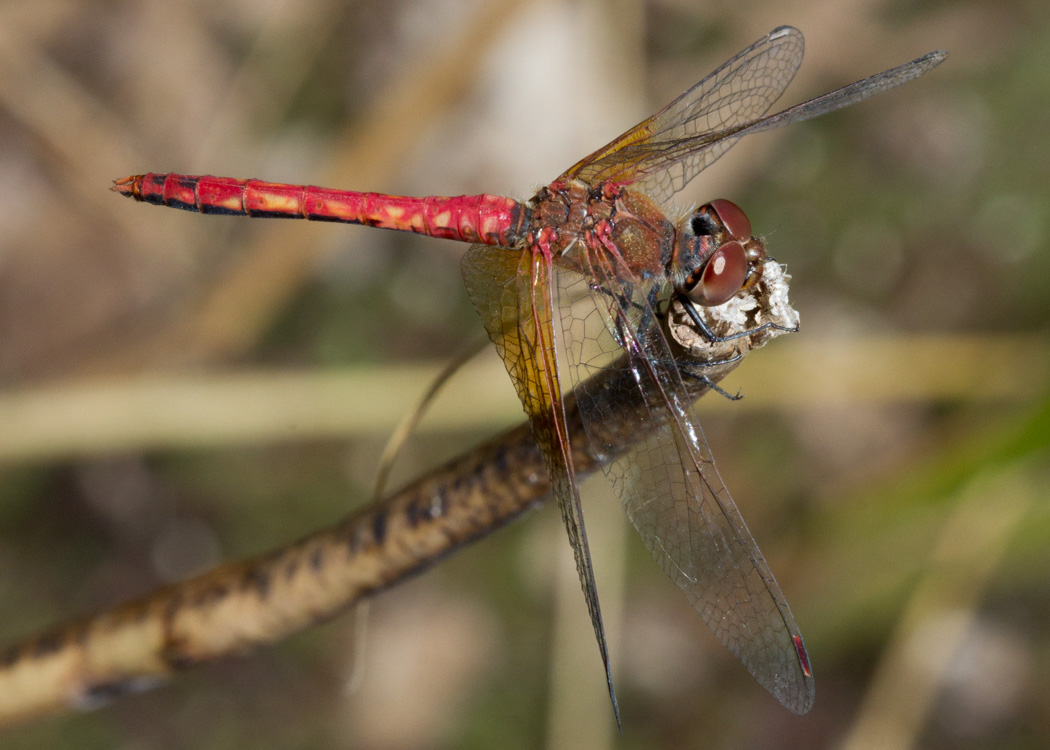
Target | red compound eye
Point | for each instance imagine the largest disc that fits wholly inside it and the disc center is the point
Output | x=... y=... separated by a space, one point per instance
x=722 y=276
x=734 y=219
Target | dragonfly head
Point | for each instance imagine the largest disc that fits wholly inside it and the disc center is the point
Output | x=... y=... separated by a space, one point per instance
x=716 y=256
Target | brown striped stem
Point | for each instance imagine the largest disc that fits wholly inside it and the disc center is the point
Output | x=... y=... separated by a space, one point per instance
x=253 y=602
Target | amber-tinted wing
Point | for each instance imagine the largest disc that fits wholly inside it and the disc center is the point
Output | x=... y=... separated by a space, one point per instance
x=739 y=91
x=513 y=293
x=669 y=485
x=662 y=154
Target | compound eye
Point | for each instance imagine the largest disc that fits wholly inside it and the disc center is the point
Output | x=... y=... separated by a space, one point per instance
x=721 y=277
x=734 y=219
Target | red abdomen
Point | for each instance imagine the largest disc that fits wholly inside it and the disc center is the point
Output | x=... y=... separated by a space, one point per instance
x=490 y=219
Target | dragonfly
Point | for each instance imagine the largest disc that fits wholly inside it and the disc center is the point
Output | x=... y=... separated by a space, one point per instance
x=606 y=234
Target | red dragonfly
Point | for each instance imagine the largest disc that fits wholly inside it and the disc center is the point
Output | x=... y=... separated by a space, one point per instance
x=602 y=230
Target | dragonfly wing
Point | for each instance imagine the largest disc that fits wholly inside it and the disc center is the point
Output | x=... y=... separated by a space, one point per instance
x=684 y=158
x=670 y=148
x=513 y=294
x=839 y=98
x=673 y=493
x=662 y=154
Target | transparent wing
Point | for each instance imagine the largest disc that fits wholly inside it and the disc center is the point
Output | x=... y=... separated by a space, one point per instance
x=661 y=155
x=841 y=97
x=740 y=90
x=513 y=293
x=670 y=487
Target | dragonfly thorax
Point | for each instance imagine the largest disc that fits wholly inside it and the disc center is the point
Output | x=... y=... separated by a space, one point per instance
x=715 y=254
x=611 y=228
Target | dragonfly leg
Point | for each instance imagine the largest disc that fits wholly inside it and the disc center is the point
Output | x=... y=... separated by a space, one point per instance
x=695 y=367
x=694 y=371
x=648 y=313
x=690 y=370
x=623 y=303
x=698 y=321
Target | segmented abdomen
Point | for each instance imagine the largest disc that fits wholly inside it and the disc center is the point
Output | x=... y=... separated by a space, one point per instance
x=491 y=219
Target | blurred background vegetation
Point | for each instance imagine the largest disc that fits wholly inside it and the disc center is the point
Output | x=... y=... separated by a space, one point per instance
x=180 y=390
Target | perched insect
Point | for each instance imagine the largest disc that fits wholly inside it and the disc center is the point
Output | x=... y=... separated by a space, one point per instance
x=603 y=229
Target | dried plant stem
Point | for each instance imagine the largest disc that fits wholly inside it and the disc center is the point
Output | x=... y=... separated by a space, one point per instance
x=260 y=600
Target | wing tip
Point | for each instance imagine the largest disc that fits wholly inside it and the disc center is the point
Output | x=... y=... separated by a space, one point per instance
x=781 y=31
x=612 y=696
x=798 y=695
